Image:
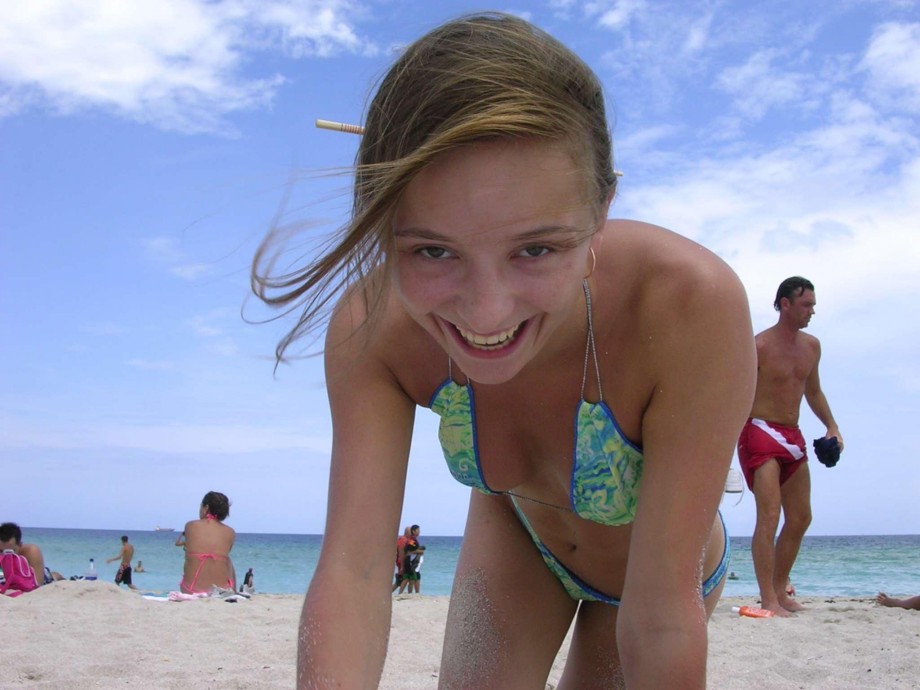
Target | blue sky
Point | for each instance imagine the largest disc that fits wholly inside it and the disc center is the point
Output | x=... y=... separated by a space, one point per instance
x=147 y=147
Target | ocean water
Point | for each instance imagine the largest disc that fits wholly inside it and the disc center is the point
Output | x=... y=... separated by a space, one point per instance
x=857 y=566
x=281 y=563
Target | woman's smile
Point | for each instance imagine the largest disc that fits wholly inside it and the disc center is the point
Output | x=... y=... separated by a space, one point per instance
x=489 y=342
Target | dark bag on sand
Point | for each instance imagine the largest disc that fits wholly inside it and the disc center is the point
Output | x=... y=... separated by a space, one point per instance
x=827 y=450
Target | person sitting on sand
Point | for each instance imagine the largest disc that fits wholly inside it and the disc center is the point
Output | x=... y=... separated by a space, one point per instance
x=16 y=575
x=910 y=603
x=11 y=538
x=208 y=542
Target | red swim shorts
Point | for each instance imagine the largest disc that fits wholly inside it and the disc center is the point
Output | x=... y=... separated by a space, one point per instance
x=761 y=441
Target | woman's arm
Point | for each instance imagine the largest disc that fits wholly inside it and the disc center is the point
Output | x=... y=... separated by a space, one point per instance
x=703 y=365
x=230 y=565
x=346 y=614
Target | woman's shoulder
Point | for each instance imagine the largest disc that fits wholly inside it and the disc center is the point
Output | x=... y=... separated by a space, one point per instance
x=658 y=246
x=662 y=291
x=660 y=265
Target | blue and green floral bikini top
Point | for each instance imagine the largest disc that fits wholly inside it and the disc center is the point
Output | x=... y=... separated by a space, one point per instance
x=607 y=467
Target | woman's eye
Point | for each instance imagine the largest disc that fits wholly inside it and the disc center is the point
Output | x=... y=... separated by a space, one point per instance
x=433 y=252
x=533 y=252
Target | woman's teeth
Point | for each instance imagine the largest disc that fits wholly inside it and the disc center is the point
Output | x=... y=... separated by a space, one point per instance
x=489 y=342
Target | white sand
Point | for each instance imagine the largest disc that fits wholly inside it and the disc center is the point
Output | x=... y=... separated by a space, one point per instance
x=79 y=635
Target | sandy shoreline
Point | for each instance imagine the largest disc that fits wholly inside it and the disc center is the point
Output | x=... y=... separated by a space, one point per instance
x=92 y=635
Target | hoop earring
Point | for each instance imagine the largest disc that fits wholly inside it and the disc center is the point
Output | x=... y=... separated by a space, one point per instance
x=593 y=263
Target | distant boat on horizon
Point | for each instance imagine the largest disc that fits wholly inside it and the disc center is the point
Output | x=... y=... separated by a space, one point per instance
x=164 y=529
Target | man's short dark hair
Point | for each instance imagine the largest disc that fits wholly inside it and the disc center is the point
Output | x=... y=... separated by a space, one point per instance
x=10 y=530
x=124 y=539
x=790 y=287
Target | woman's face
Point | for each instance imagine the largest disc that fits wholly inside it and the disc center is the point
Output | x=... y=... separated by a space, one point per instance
x=492 y=244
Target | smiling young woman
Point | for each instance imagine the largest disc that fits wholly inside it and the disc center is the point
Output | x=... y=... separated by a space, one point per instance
x=591 y=375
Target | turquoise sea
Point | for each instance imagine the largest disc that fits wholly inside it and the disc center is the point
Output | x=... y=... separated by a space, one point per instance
x=857 y=566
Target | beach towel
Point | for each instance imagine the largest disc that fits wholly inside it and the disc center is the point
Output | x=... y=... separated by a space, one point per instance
x=182 y=596
x=18 y=575
x=216 y=592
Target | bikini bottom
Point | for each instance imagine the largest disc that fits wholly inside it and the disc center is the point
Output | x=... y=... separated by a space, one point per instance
x=580 y=590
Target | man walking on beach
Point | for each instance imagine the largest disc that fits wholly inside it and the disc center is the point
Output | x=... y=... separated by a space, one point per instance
x=771 y=449
x=123 y=576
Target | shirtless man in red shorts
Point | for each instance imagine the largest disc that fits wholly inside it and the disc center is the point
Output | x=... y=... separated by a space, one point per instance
x=771 y=448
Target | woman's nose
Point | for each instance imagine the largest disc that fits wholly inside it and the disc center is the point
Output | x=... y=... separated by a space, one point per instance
x=486 y=303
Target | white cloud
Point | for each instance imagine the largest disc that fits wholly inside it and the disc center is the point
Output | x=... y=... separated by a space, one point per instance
x=165 y=250
x=211 y=327
x=224 y=347
x=190 y=272
x=835 y=203
x=311 y=27
x=893 y=63
x=204 y=324
x=177 y=64
x=161 y=248
x=757 y=86
x=698 y=34
x=615 y=15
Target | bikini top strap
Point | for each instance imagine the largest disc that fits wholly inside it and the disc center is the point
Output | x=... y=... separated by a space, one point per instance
x=590 y=348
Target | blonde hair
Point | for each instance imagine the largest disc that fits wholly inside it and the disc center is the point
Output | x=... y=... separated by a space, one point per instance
x=480 y=77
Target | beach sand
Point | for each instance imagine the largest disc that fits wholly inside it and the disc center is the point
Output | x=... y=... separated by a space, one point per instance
x=81 y=635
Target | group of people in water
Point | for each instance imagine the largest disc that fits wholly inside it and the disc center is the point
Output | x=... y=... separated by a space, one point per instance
x=207 y=542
